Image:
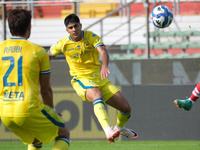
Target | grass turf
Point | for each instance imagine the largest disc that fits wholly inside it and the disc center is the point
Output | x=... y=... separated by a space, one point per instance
x=125 y=145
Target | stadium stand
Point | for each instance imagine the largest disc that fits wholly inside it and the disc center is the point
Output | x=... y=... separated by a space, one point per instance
x=95 y=10
x=171 y=49
x=170 y=40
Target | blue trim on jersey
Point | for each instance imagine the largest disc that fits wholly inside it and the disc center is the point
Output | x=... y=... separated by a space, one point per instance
x=82 y=85
x=64 y=139
x=101 y=44
x=50 y=52
x=82 y=34
x=70 y=38
x=45 y=72
x=60 y=124
x=98 y=100
x=18 y=38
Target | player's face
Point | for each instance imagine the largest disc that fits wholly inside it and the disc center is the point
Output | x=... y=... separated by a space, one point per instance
x=74 y=29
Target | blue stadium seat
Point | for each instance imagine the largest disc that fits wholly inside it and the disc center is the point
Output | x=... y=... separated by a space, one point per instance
x=124 y=47
x=169 y=33
x=129 y=56
x=181 y=55
x=182 y=45
x=194 y=45
x=153 y=34
x=162 y=56
x=115 y=56
x=166 y=45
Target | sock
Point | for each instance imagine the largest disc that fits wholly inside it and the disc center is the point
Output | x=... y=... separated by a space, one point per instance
x=61 y=144
x=195 y=93
x=122 y=118
x=191 y=101
x=119 y=128
x=36 y=146
x=100 y=112
x=107 y=130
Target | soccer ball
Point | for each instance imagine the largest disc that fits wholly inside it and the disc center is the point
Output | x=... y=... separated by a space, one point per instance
x=161 y=16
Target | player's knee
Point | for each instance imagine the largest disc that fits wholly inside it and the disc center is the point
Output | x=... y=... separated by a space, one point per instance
x=126 y=108
x=93 y=93
x=67 y=133
x=63 y=132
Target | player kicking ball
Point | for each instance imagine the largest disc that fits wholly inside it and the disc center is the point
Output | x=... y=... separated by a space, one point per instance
x=82 y=49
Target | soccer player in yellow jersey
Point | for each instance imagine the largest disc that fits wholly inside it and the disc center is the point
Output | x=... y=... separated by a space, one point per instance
x=24 y=66
x=82 y=49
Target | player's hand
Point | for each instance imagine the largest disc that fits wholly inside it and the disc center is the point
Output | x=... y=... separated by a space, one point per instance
x=104 y=72
x=60 y=114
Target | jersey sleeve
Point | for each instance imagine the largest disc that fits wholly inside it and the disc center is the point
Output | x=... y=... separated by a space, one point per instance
x=44 y=62
x=56 y=48
x=95 y=40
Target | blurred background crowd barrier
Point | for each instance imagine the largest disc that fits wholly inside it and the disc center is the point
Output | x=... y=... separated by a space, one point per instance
x=123 y=25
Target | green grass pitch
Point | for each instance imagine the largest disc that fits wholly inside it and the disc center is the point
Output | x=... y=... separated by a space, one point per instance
x=125 y=145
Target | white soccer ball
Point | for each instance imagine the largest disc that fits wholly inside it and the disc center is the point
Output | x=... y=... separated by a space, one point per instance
x=161 y=16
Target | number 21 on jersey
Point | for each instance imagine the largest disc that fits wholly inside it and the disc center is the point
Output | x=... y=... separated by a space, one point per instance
x=10 y=71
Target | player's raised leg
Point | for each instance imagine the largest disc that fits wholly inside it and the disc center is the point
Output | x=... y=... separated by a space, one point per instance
x=101 y=114
x=187 y=104
x=119 y=102
x=122 y=118
x=102 y=117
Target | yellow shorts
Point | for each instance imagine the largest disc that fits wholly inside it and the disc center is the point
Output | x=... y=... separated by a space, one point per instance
x=43 y=126
x=82 y=83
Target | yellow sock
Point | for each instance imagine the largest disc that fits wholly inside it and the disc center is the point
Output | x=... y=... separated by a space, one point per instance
x=61 y=144
x=37 y=146
x=122 y=118
x=100 y=112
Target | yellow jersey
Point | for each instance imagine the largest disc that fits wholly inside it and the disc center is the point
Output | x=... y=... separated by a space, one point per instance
x=21 y=63
x=82 y=56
